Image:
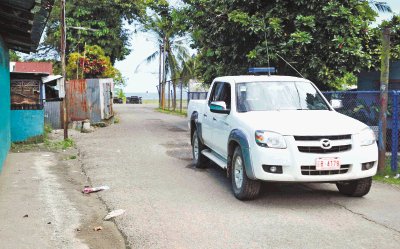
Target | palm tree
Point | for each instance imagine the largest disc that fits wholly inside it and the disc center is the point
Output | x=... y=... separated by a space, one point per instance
x=169 y=37
x=380 y=6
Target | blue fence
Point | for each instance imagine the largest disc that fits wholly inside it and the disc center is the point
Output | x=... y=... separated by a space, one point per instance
x=365 y=107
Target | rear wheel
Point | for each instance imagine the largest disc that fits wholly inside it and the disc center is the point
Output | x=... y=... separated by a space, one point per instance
x=243 y=187
x=355 y=188
x=199 y=160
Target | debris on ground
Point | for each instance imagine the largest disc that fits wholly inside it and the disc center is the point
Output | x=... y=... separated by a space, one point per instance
x=78 y=230
x=99 y=228
x=88 y=190
x=387 y=177
x=48 y=223
x=25 y=216
x=114 y=213
x=397 y=176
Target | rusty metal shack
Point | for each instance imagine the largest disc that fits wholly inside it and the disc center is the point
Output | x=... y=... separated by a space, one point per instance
x=90 y=99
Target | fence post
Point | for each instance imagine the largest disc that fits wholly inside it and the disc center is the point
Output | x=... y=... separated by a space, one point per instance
x=395 y=131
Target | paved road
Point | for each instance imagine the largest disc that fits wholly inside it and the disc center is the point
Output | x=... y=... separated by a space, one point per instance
x=169 y=204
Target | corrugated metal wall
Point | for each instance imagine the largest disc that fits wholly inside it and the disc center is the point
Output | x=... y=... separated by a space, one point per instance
x=90 y=99
x=107 y=87
x=94 y=100
x=52 y=114
x=78 y=108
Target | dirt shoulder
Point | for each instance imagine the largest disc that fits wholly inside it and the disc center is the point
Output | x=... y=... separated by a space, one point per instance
x=42 y=206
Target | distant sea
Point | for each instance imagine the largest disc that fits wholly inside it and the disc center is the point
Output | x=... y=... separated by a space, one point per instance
x=150 y=95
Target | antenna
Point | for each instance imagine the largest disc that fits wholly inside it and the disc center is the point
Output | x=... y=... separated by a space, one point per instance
x=266 y=42
x=290 y=65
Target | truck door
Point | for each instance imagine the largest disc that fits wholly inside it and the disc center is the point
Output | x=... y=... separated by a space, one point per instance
x=208 y=122
x=221 y=122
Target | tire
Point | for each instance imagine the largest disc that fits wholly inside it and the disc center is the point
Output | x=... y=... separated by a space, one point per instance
x=199 y=160
x=355 y=188
x=243 y=187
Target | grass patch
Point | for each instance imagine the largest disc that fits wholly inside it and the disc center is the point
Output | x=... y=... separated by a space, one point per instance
x=381 y=177
x=59 y=145
x=178 y=113
x=155 y=102
x=117 y=120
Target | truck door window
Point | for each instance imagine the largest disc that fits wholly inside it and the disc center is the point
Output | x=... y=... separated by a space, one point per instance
x=215 y=92
x=225 y=95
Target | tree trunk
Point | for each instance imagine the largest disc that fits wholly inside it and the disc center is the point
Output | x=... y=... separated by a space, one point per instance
x=174 y=96
x=384 y=98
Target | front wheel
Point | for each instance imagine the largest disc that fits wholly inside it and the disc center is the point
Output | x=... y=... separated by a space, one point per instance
x=243 y=187
x=355 y=188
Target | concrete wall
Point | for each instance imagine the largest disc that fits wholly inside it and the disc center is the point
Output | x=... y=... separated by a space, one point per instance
x=368 y=81
x=26 y=124
x=4 y=102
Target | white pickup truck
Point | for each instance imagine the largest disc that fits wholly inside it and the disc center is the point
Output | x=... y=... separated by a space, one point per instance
x=281 y=129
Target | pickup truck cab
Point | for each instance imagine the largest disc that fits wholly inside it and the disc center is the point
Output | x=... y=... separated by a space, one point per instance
x=281 y=129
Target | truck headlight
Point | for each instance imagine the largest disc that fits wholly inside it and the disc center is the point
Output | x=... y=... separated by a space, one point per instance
x=270 y=139
x=367 y=137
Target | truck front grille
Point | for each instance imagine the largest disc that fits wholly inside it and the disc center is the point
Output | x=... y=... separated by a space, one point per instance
x=319 y=150
x=318 y=138
x=311 y=171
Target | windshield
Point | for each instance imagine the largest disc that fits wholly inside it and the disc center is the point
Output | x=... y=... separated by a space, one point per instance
x=275 y=96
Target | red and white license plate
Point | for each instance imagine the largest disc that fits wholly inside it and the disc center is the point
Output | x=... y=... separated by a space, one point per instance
x=327 y=164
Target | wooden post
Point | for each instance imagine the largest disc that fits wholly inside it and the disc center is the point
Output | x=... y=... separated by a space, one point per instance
x=159 y=77
x=384 y=98
x=180 y=106
x=63 y=67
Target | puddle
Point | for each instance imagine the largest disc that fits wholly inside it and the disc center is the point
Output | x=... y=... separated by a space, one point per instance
x=183 y=145
x=176 y=129
x=185 y=155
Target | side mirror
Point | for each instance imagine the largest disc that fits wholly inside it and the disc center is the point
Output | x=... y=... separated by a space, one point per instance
x=336 y=103
x=219 y=107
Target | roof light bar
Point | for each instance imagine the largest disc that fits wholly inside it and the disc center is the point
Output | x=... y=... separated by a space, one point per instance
x=259 y=70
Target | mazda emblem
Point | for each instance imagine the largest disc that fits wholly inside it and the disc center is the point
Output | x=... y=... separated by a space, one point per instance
x=326 y=144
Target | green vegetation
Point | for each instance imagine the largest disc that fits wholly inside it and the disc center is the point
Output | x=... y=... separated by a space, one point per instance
x=381 y=177
x=38 y=142
x=94 y=22
x=59 y=145
x=178 y=113
x=92 y=63
x=232 y=36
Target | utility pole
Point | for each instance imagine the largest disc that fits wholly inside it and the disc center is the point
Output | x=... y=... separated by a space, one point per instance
x=163 y=76
x=384 y=97
x=159 y=77
x=63 y=45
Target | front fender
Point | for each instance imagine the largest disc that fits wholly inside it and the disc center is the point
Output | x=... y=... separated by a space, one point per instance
x=238 y=137
x=195 y=125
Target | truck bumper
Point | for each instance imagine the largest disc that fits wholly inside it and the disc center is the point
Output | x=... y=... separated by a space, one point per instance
x=299 y=166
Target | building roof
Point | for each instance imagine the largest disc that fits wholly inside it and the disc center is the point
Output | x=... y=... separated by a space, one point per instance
x=22 y=22
x=33 y=67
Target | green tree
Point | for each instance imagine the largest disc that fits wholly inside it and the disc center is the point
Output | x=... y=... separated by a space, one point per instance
x=166 y=25
x=92 y=63
x=373 y=45
x=324 y=40
x=105 y=20
x=14 y=56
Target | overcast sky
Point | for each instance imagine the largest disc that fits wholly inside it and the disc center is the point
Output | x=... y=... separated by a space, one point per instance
x=143 y=44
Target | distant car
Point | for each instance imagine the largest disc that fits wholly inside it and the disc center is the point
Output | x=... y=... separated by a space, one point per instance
x=134 y=100
x=117 y=100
